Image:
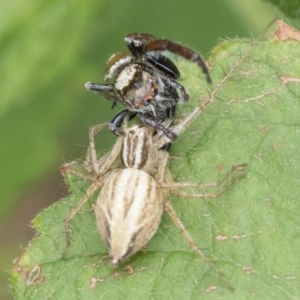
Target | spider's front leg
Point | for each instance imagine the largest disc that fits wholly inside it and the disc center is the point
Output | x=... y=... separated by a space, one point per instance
x=90 y=191
x=119 y=120
x=101 y=169
x=177 y=92
x=164 y=179
x=168 y=133
x=162 y=45
x=236 y=173
x=168 y=206
x=102 y=165
x=105 y=90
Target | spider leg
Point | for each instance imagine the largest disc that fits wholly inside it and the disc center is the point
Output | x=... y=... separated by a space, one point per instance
x=161 y=45
x=72 y=168
x=222 y=185
x=105 y=90
x=163 y=64
x=101 y=166
x=164 y=176
x=168 y=133
x=118 y=120
x=172 y=213
x=162 y=171
x=136 y=42
x=180 y=91
x=91 y=190
x=101 y=169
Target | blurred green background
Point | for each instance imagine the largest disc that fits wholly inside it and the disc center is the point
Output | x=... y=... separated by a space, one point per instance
x=48 y=50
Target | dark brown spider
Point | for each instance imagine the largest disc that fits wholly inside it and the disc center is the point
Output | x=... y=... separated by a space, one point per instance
x=146 y=81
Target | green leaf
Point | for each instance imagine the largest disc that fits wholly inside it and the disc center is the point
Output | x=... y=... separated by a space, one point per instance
x=254 y=120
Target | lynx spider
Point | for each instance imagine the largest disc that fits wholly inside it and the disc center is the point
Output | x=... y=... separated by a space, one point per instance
x=157 y=164
x=102 y=170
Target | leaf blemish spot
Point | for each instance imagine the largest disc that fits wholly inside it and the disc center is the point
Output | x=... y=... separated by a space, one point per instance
x=221 y=237
x=274 y=146
x=268 y=200
x=34 y=277
x=287 y=79
x=219 y=167
x=116 y=275
x=129 y=269
x=211 y=288
x=94 y=281
x=247 y=270
x=264 y=129
x=237 y=237
x=291 y=278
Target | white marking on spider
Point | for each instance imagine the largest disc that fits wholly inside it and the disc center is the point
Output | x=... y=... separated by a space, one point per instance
x=114 y=68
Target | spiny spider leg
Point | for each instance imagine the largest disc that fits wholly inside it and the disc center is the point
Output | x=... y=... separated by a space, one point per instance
x=102 y=165
x=101 y=169
x=208 y=195
x=164 y=178
x=172 y=213
x=90 y=191
x=91 y=164
x=85 y=177
x=72 y=168
x=228 y=179
x=91 y=155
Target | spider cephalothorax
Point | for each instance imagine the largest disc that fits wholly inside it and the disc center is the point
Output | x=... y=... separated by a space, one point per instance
x=146 y=81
